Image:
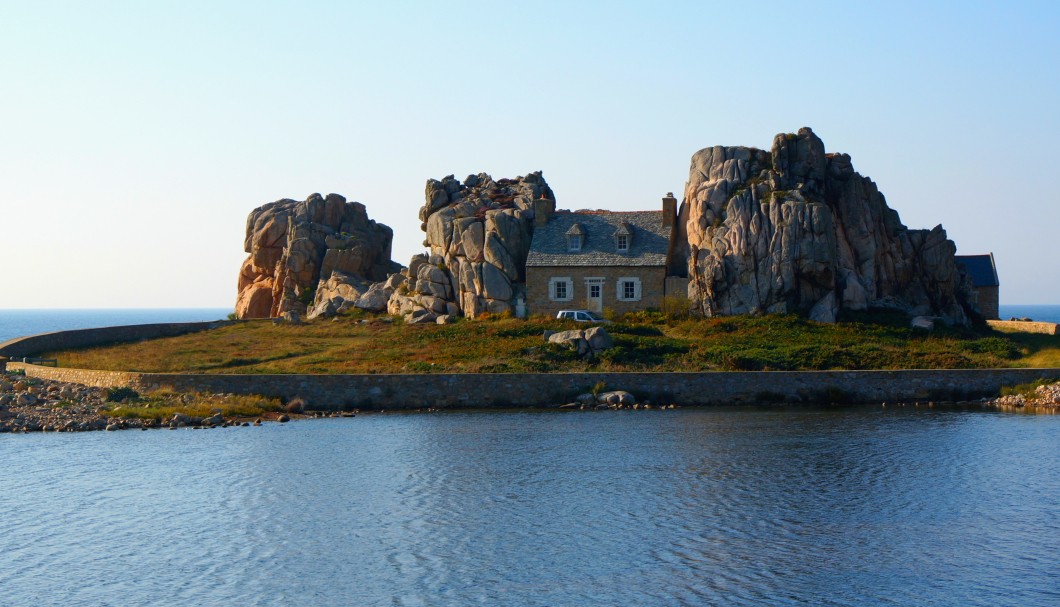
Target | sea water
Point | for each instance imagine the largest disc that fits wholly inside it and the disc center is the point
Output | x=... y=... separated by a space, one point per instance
x=725 y=506
x=780 y=506
x=19 y=323
x=1040 y=313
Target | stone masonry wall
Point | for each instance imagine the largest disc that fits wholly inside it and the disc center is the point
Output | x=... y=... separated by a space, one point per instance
x=374 y=392
x=1047 y=328
x=413 y=391
x=989 y=302
x=652 y=281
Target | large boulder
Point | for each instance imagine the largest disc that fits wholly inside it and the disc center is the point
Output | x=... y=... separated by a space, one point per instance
x=478 y=235
x=586 y=342
x=796 y=229
x=310 y=256
x=338 y=293
x=599 y=339
x=375 y=298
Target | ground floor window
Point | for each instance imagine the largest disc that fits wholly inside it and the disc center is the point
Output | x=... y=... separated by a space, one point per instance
x=560 y=289
x=628 y=289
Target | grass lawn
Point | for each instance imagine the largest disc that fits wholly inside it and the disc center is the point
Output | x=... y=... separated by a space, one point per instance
x=645 y=341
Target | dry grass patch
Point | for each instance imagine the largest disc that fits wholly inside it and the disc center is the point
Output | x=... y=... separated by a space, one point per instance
x=164 y=404
x=646 y=341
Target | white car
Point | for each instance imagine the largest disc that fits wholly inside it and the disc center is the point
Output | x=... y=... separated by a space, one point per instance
x=580 y=316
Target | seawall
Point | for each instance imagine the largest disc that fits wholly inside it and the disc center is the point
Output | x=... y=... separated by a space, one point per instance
x=82 y=338
x=455 y=390
x=1047 y=328
x=405 y=391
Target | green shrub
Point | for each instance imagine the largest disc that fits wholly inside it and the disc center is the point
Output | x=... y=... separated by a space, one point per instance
x=1026 y=389
x=597 y=388
x=676 y=307
x=117 y=395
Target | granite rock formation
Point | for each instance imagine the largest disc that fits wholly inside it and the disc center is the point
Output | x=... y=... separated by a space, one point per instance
x=321 y=253
x=586 y=342
x=478 y=234
x=796 y=229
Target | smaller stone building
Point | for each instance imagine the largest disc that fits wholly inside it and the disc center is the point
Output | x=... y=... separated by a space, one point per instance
x=600 y=260
x=983 y=272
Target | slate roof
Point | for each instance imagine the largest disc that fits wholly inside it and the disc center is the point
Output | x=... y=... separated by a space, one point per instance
x=649 y=244
x=981 y=268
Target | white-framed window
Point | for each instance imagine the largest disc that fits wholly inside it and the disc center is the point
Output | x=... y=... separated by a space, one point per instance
x=622 y=242
x=628 y=289
x=575 y=238
x=560 y=288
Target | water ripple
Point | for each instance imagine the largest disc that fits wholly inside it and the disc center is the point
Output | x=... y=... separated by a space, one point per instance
x=720 y=507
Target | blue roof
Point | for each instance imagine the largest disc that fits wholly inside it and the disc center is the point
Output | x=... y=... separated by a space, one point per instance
x=981 y=268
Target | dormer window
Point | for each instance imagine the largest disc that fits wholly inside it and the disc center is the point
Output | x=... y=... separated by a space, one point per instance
x=575 y=238
x=623 y=237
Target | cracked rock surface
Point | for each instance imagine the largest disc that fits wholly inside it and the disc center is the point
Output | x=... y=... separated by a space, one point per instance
x=796 y=229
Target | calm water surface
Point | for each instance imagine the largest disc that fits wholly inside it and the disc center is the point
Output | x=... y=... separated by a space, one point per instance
x=864 y=506
x=1040 y=313
x=18 y=323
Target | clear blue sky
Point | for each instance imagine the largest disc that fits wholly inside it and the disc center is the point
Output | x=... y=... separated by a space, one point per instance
x=136 y=136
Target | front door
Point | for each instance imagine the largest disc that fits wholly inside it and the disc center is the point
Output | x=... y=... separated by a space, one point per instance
x=594 y=294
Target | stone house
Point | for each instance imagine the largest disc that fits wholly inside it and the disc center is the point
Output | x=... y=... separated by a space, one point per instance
x=983 y=272
x=597 y=260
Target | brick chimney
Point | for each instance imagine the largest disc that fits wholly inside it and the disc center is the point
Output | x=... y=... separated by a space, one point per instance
x=543 y=209
x=669 y=209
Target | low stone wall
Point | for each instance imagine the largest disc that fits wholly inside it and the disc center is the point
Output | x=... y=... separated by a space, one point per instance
x=82 y=338
x=1048 y=328
x=333 y=392
x=414 y=391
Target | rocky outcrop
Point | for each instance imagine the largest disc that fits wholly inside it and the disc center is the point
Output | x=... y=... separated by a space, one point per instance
x=478 y=234
x=796 y=229
x=318 y=253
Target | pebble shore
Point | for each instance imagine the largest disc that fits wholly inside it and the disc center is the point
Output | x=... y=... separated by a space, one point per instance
x=1043 y=397
x=30 y=404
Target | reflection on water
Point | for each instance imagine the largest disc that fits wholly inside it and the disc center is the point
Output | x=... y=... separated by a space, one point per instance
x=725 y=506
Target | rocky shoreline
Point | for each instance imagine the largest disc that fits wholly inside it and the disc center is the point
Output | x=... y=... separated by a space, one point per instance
x=29 y=404
x=1045 y=396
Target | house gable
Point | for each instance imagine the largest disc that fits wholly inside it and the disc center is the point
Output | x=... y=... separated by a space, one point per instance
x=983 y=273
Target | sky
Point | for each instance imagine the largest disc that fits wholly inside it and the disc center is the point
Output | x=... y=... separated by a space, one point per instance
x=136 y=136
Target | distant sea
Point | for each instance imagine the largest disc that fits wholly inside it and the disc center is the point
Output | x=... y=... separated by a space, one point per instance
x=18 y=323
x=1038 y=313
